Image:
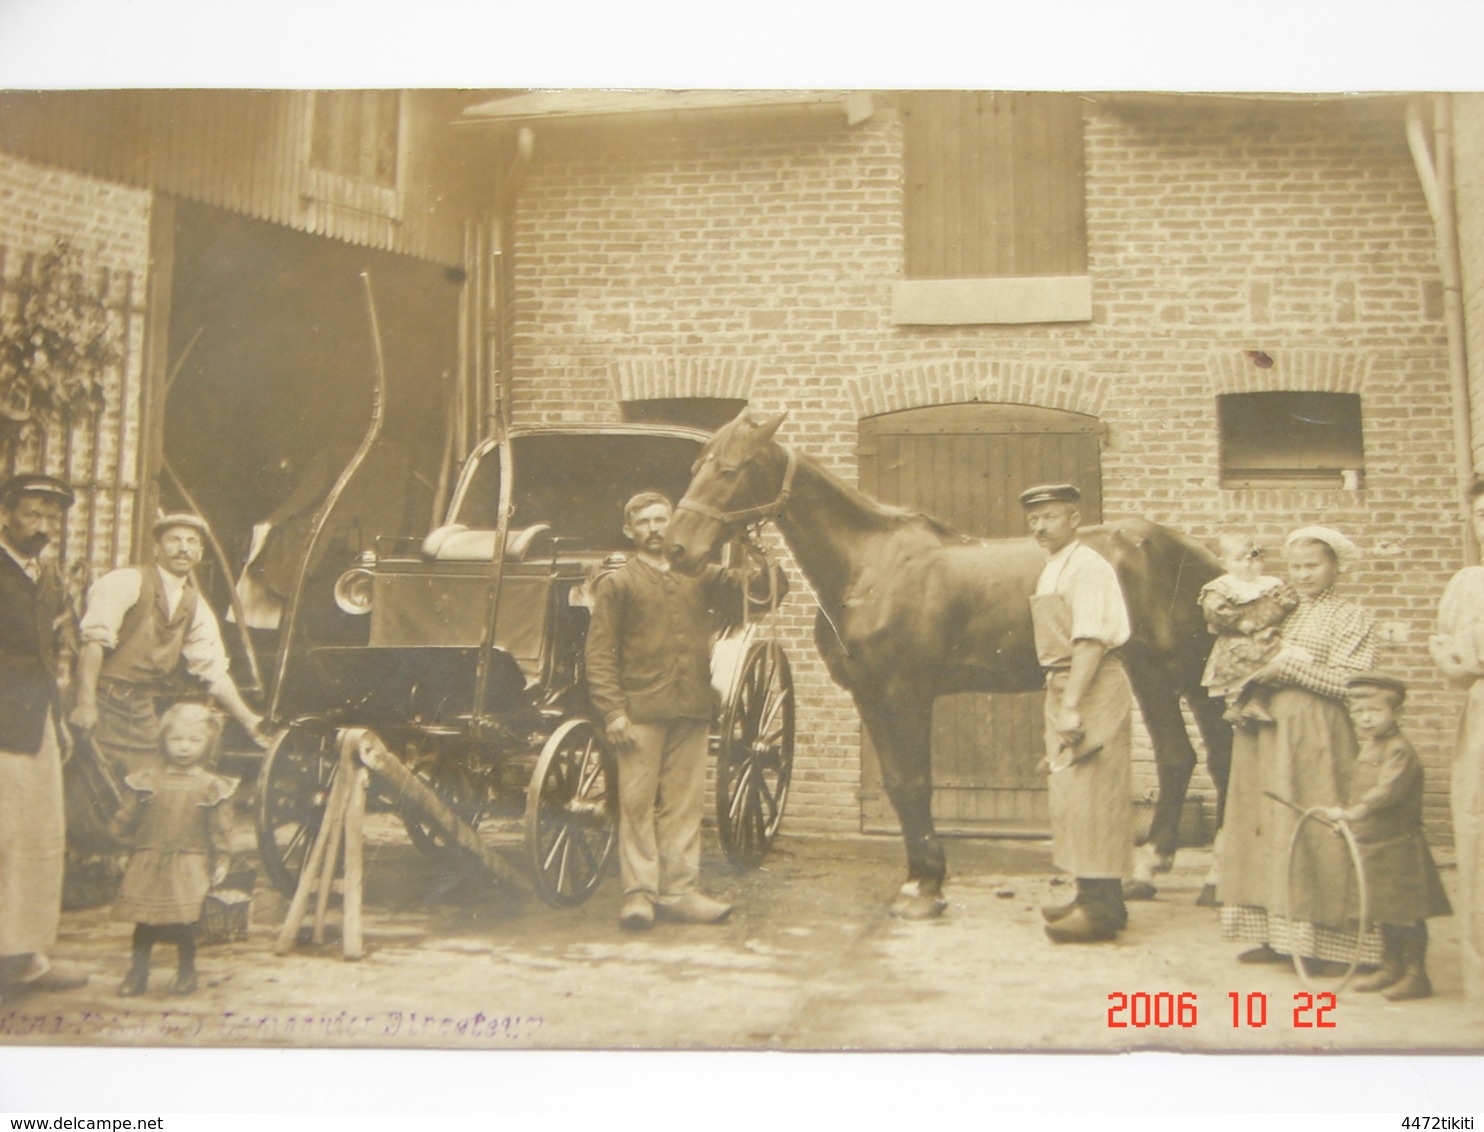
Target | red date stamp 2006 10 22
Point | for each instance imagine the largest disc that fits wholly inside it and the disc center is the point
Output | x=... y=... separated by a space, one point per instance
x=1166 y=1010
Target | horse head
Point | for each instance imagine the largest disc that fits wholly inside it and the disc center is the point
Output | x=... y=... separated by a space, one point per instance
x=742 y=477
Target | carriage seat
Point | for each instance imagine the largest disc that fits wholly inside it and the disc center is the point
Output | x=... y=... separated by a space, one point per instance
x=457 y=543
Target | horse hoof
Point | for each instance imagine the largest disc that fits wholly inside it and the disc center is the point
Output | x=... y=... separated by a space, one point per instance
x=1138 y=890
x=918 y=907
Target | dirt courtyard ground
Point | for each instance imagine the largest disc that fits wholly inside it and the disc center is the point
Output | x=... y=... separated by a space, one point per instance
x=810 y=960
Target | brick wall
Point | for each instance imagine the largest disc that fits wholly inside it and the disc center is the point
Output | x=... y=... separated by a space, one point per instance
x=1468 y=131
x=108 y=226
x=1298 y=232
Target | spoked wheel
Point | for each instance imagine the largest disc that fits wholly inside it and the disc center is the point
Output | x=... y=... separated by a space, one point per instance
x=571 y=814
x=293 y=787
x=755 y=755
x=453 y=783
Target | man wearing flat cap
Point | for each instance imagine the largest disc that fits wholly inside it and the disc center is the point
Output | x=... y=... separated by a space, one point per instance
x=32 y=816
x=1079 y=619
x=141 y=622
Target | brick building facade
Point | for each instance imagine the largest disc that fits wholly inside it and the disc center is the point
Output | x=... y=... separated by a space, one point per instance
x=1243 y=248
x=1238 y=246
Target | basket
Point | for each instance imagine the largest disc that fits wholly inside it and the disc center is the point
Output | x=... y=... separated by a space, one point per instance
x=227 y=910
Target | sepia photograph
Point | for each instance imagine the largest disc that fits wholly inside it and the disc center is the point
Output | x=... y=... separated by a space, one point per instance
x=898 y=568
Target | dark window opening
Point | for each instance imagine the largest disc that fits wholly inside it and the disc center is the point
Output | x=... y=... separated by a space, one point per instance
x=1291 y=439
x=697 y=412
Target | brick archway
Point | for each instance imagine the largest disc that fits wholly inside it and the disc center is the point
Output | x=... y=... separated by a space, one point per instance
x=1299 y=371
x=654 y=378
x=955 y=382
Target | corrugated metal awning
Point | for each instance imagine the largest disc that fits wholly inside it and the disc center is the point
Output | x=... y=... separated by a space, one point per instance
x=559 y=105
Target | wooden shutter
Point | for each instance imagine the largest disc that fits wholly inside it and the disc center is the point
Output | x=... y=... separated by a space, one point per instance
x=994 y=185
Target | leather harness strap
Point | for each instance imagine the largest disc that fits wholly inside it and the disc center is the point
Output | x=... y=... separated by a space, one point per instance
x=759 y=514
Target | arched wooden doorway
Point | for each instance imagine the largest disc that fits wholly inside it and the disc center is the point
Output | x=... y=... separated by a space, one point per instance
x=967 y=464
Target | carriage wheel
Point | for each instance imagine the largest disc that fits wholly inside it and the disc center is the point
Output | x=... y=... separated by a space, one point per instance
x=455 y=786
x=571 y=814
x=755 y=755
x=293 y=787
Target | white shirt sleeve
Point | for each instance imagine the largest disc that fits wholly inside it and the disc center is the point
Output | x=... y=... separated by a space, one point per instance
x=110 y=597
x=1090 y=586
x=203 y=651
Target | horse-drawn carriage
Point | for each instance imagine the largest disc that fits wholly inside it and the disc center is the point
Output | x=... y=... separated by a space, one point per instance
x=465 y=657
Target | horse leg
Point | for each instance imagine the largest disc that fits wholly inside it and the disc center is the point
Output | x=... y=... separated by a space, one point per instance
x=902 y=736
x=1216 y=733
x=1174 y=762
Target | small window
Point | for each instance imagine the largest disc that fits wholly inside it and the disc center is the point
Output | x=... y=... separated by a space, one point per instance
x=698 y=412
x=1290 y=439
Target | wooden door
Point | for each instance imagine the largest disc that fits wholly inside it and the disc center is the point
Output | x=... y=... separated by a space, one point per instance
x=967 y=465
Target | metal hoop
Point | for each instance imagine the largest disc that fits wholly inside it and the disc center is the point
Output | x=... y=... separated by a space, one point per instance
x=1316 y=813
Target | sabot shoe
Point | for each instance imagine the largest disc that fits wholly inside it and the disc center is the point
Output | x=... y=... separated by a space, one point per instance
x=1414 y=983
x=1079 y=926
x=184 y=983
x=1263 y=954
x=637 y=913
x=693 y=908
x=134 y=983
x=57 y=977
x=1389 y=973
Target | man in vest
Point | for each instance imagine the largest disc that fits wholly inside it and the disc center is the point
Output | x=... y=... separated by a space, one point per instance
x=1080 y=619
x=32 y=817
x=140 y=623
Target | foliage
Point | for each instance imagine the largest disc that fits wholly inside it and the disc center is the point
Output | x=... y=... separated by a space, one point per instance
x=55 y=347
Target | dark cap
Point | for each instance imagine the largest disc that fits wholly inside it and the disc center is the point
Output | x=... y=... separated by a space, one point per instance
x=1362 y=681
x=1049 y=493
x=34 y=483
x=178 y=519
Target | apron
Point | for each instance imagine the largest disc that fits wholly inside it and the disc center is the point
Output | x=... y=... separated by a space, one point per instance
x=1468 y=837
x=1090 y=801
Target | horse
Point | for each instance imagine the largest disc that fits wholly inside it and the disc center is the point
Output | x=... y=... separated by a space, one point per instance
x=911 y=609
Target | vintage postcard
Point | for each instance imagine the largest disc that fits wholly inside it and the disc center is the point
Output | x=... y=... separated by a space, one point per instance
x=749 y=569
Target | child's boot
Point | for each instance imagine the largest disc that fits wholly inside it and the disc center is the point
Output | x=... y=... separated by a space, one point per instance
x=185 y=973
x=1393 y=960
x=138 y=977
x=1414 y=982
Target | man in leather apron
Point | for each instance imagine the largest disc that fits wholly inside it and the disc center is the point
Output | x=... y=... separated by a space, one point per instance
x=140 y=623
x=1080 y=620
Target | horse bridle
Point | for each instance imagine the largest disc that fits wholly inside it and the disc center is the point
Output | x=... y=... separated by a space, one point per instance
x=761 y=513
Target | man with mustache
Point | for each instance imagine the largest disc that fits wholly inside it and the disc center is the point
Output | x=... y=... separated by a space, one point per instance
x=141 y=622
x=32 y=818
x=1080 y=619
x=649 y=675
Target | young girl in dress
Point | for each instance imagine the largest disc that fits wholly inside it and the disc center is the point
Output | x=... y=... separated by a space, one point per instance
x=1244 y=608
x=181 y=823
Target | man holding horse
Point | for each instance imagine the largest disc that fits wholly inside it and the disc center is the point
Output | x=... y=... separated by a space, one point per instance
x=649 y=674
x=1080 y=619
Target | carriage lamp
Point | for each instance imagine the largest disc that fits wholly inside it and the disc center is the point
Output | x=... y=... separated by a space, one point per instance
x=353 y=591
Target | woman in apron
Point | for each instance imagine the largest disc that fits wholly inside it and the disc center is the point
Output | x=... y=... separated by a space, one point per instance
x=1305 y=757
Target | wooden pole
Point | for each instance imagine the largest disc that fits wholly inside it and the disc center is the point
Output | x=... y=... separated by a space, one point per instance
x=411 y=789
x=355 y=815
x=310 y=876
x=335 y=823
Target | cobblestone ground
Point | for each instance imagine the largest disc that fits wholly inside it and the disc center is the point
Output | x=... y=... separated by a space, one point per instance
x=810 y=960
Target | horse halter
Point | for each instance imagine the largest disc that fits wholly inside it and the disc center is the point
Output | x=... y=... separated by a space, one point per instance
x=758 y=514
